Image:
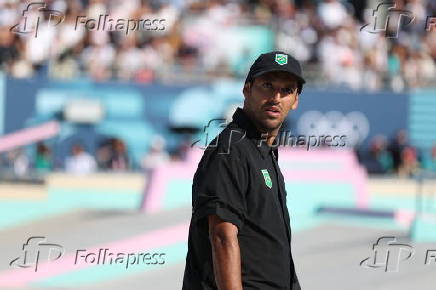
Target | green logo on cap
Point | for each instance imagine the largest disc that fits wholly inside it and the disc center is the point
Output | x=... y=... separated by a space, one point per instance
x=281 y=59
x=267 y=178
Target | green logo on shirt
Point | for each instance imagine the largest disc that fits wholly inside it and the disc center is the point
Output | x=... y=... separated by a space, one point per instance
x=267 y=178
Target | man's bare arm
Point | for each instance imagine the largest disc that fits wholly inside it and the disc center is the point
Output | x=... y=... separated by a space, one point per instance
x=226 y=255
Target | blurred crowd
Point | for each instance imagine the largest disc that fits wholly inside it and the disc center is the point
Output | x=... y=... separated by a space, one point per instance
x=396 y=156
x=325 y=35
x=111 y=155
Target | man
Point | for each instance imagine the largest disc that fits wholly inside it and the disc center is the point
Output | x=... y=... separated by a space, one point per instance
x=239 y=236
x=80 y=162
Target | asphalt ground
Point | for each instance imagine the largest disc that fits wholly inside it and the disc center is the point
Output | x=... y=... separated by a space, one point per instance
x=327 y=256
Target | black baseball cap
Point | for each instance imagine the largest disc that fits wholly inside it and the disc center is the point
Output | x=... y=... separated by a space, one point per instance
x=276 y=61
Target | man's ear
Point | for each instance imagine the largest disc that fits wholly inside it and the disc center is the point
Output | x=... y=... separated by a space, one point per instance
x=246 y=89
x=295 y=104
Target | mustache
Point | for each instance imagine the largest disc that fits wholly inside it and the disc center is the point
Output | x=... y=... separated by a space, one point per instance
x=274 y=106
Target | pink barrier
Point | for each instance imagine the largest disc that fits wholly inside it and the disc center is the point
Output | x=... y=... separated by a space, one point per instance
x=163 y=174
x=348 y=171
x=29 y=135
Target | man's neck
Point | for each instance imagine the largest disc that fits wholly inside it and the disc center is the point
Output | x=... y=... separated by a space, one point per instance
x=271 y=134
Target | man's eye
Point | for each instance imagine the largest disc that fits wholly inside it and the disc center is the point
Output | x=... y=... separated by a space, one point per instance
x=288 y=90
x=267 y=85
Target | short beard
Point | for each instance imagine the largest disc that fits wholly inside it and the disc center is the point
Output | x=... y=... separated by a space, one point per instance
x=262 y=126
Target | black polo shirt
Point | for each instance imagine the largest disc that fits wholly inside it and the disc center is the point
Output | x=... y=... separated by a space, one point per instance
x=238 y=179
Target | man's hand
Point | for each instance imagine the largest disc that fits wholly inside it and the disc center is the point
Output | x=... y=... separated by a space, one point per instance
x=226 y=255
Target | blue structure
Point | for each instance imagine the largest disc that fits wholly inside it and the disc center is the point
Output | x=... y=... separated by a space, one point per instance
x=136 y=112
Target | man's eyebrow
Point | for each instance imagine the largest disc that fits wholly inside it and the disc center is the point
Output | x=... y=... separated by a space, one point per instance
x=288 y=84
x=292 y=83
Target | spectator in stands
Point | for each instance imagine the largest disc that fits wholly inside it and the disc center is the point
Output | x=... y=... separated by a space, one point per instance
x=43 y=162
x=8 y=49
x=19 y=161
x=332 y=13
x=396 y=147
x=119 y=159
x=104 y=153
x=395 y=59
x=157 y=154
x=80 y=162
x=379 y=159
x=409 y=162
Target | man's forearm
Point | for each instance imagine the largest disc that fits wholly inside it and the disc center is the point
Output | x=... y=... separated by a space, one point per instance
x=226 y=262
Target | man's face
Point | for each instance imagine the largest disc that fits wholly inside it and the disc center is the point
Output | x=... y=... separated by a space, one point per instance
x=269 y=98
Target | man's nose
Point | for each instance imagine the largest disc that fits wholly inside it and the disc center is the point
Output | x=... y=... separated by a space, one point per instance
x=276 y=95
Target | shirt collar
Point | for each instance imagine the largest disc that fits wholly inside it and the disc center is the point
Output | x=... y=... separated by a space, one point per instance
x=251 y=132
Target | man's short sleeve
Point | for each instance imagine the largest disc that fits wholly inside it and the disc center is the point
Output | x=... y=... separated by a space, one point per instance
x=295 y=282
x=219 y=187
